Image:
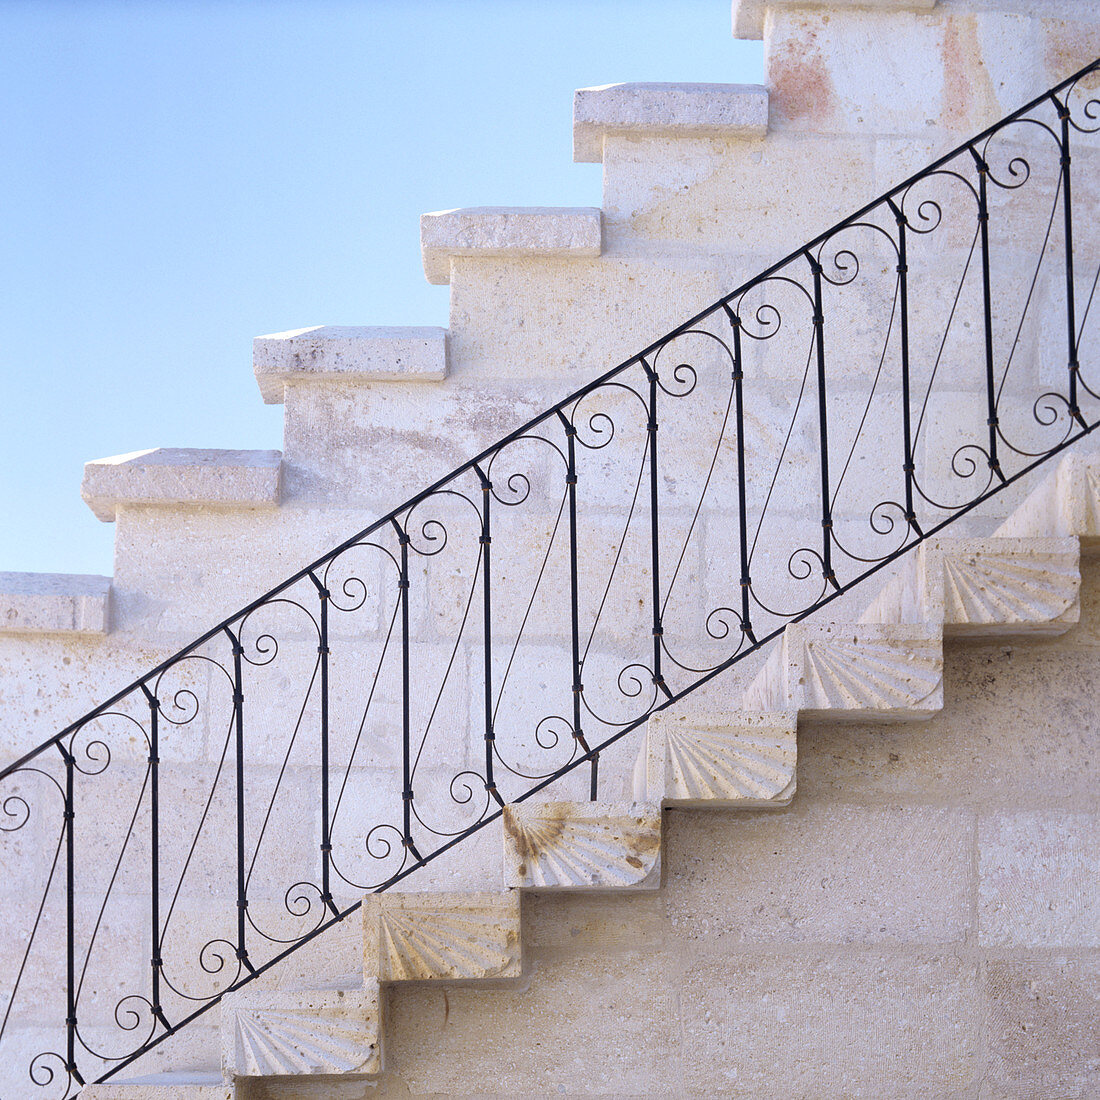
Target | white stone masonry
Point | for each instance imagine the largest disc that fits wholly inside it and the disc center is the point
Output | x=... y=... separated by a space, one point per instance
x=343 y=353
x=673 y=110
x=182 y=476
x=507 y=231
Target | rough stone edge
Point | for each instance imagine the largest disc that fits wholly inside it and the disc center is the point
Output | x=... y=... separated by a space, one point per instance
x=105 y=488
x=748 y=15
x=507 y=231
x=673 y=110
x=299 y=355
x=65 y=603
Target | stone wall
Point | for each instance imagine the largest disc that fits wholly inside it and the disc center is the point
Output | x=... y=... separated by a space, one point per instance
x=701 y=190
x=922 y=921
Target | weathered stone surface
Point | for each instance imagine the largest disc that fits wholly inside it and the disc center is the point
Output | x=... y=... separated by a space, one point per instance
x=419 y=937
x=507 y=231
x=981 y=587
x=166 y=1086
x=821 y=874
x=594 y=1024
x=816 y=1024
x=582 y=844
x=748 y=15
x=1040 y=1026
x=54 y=603
x=311 y=1032
x=1039 y=879
x=347 y=354
x=684 y=110
x=874 y=672
x=971 y=754
x=179 y=475
x=743 y=760
x=1066 y=502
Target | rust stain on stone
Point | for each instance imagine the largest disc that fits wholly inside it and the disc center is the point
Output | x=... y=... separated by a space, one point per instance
x=801 y=87
x=1069 y=46
x=529 y=843
x=956 y=84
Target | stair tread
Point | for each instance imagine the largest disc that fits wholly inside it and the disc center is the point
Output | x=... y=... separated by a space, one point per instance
x=732 y=110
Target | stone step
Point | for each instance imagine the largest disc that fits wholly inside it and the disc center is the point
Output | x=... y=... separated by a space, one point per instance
x=582 y=845
x=507 y=232
x=182 y=477
x=54 y=603
x=281 y=1033
x=348 y=354
x=736 y=761
x=985 y=587
x=441 y=937
x=636 y=110
x=873 y=672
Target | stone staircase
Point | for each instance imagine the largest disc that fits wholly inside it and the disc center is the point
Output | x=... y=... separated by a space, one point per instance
x=541 y=299
x=887 y=667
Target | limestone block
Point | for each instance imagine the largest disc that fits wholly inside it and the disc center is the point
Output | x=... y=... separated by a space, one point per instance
x=744 y=201
x=598 y=845
x=979 y=587
x=1037 y=879
x=327 y=1031
x=1067 y=502
x=1040 y=1026
x=732 y=760
x=347 y=354
x=446 y=936
x=821 y=872
x=600 y=1024
x=177 y=578
x=690 y=110
x=182 y=476
x=54 y=603
x=872 y=672
x=162 y=1086
x=512 y=231
x=766 y=1027
x=748 y=15
x=832 y=74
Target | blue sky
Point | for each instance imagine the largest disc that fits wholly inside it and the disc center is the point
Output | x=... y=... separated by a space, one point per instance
x=181 y=176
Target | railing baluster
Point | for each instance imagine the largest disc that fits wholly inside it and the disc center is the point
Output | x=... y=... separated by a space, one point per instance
x=238 y=726
x=406 y=725
x=574 y=599
x=486 y=541
x=908 y=464
x=742 y=509
x=654 y=527
x=155 y=961
x=323 y=596
x=1071 y=308
x=70 y=918
x=987 y=312
x=823 y=427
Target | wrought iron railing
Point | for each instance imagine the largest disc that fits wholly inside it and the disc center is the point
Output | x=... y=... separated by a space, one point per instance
x=506 y=627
